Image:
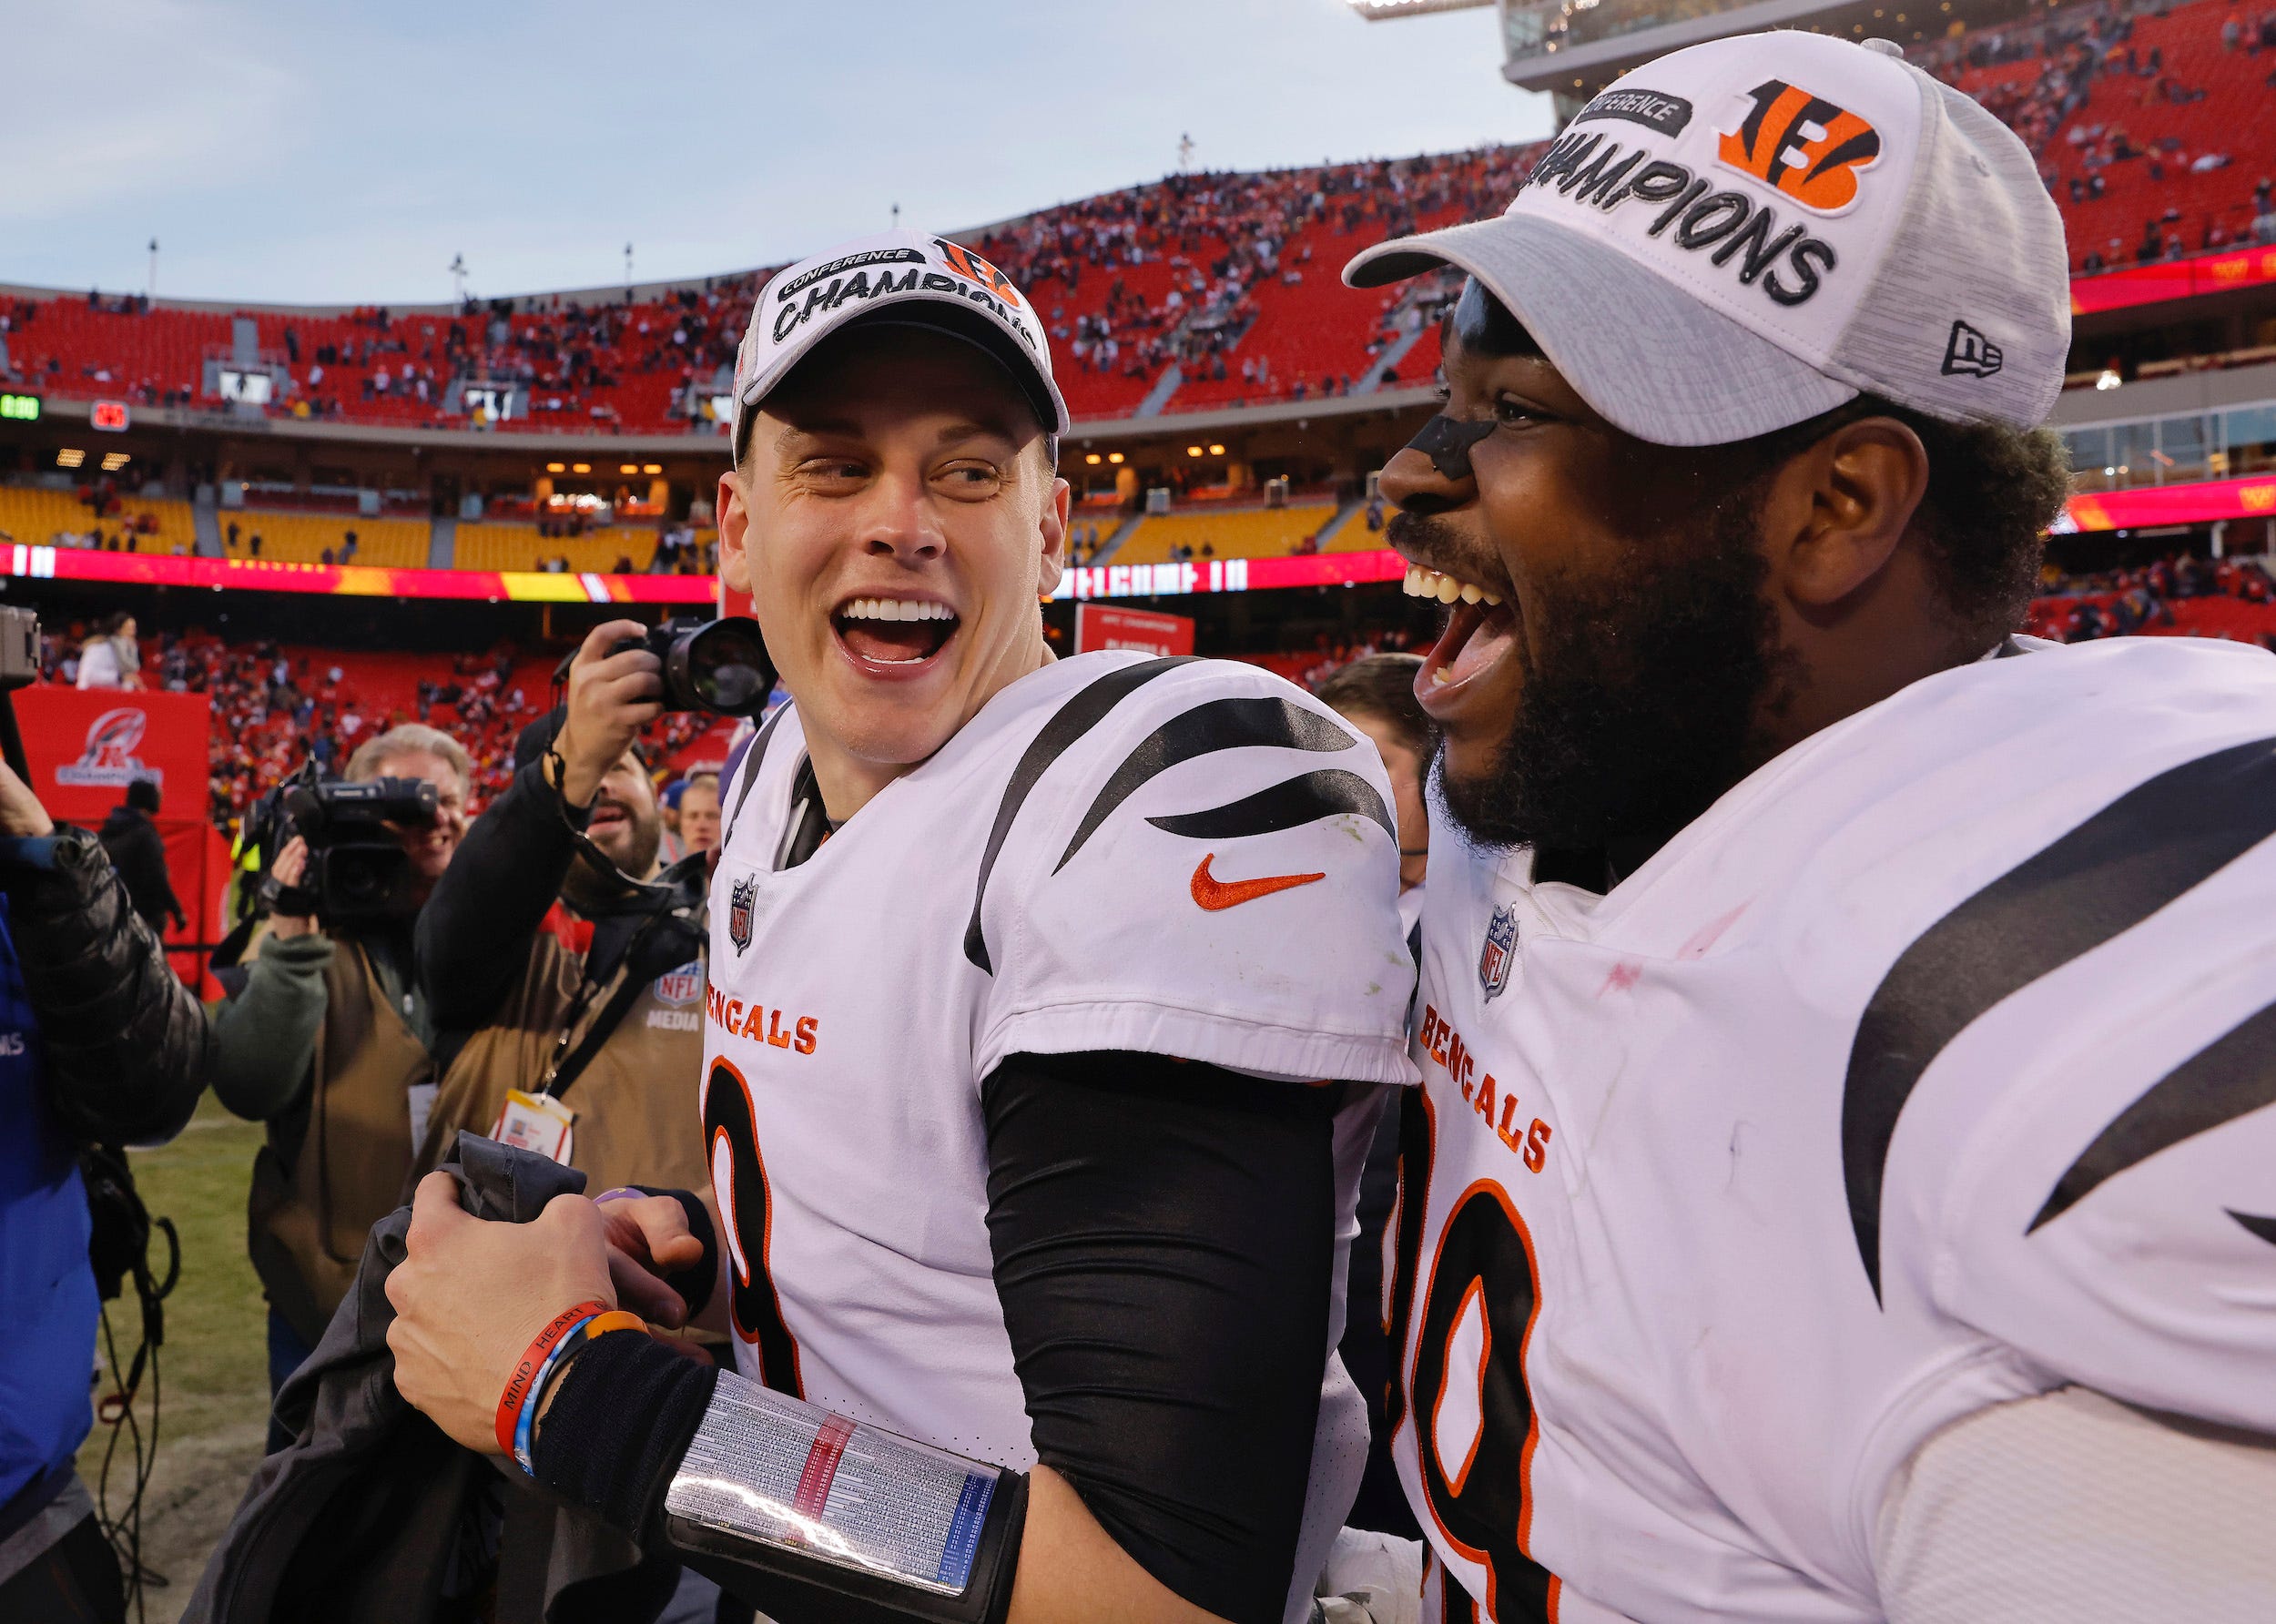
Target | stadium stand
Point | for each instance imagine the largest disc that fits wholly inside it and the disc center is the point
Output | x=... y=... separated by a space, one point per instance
x=1223 y=532
x=2149 y=119
x=95 y=516
x=323 y=538
x=494 y=546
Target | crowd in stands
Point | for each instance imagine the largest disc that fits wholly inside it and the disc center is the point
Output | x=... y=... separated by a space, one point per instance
x=2149 y=118
x=275 y=708
x=2171 y=595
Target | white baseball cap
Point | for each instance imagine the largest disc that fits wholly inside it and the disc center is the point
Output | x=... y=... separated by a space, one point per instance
x=1743 y=234
x=897 y=276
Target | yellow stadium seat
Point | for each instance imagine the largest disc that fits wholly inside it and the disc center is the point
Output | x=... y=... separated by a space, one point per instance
x=302 y=538
x=489 y=546
x=1238 y=533
x=35 y=517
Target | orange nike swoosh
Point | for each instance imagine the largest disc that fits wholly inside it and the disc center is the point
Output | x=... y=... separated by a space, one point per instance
x=1213 y=893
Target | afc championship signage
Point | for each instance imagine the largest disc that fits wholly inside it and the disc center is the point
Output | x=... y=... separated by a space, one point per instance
x=85 y=747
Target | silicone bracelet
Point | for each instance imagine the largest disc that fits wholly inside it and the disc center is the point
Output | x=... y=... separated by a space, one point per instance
x=526 y=1423
x=517 y=1388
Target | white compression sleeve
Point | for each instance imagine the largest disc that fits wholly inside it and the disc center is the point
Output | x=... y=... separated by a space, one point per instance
x=2073 y=1508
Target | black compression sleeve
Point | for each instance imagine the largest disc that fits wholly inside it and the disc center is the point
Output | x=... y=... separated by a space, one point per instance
x=1164 y=1235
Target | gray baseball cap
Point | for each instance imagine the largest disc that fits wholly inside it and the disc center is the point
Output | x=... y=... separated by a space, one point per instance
x=1743 y=234
x=897 y=276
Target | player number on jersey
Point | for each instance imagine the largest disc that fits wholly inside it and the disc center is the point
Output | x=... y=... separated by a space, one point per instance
x=1472 y=1415
x=738 y=1179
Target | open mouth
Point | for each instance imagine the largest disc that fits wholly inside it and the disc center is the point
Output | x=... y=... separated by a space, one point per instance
x=1480 y=630
x=607 y=815
x=894 y=633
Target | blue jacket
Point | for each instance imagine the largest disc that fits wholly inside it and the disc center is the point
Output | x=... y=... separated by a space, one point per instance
x=47 y=1301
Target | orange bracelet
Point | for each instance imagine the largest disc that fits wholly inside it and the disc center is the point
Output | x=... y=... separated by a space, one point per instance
x=517 y=1388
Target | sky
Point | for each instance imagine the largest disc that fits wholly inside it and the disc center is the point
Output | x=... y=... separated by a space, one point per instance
x=310 y=151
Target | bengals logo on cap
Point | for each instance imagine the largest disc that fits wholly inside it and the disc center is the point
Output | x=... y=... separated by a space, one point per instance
x=973 y=269
x=1803 y=145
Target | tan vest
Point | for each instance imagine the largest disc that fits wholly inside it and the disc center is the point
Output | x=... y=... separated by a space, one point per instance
x=636 y=1101
x=307 y=1223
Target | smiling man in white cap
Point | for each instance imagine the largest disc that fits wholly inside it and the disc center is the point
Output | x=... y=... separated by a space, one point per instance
x=1845 y=1181
x=1029 y=1206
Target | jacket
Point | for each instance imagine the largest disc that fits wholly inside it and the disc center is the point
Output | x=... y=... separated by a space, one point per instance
x=508 y=971
x=372 y=1516
x=99 y=1042
x=137 y=851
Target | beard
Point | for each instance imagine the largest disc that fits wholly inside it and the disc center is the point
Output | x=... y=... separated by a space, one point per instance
x=631 y=847
x=1645 y=697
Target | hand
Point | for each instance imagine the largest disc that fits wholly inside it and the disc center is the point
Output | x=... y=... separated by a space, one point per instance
x=22 y=817
x=612 y=696
x=470 y=1296
x=648 y=1238
x=292 y=865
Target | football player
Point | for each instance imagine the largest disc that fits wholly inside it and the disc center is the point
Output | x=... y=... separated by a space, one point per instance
x=1050 y=1008
x=1847 y=1184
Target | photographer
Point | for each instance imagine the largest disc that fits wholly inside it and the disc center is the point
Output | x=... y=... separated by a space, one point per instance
x=99 y=1042
x=326 y=1039
x=580 y=1023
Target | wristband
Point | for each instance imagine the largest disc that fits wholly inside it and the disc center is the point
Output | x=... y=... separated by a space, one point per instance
x=564 y=1352
x=517 y=1388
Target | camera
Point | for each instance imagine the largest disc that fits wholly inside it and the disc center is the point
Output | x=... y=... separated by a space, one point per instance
x=717 y=666
x=357 y=872
x=19 y=648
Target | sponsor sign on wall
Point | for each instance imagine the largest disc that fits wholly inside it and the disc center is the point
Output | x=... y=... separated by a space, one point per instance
x=1099 y=626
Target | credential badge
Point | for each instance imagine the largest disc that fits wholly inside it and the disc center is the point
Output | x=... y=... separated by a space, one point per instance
x=1500 y=951
x=742 y=902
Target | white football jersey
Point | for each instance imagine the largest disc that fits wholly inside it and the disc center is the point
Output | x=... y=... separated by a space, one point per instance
x=1933 y=1067
x=1171 y=856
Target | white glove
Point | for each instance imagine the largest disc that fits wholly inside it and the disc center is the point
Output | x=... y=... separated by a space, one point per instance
x=1371 y=1578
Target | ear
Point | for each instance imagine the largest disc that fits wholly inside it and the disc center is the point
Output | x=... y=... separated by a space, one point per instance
x=1839 y=510
x=734 y=523
x=1052 y=529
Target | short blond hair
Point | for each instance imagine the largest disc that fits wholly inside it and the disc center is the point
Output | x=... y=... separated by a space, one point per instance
x=411 y=739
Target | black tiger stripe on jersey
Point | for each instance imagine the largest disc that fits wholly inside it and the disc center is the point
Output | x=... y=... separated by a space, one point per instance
x=1215 y=725
x=2234 y=1074
x=2117 y=869
x=1081 y=714
x=1323 y=792
x=2253 y=1223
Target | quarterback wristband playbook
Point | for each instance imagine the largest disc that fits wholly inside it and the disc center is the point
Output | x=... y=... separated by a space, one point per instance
x=802 y=1512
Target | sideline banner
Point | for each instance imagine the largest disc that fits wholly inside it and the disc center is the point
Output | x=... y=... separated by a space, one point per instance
x=1098 y=627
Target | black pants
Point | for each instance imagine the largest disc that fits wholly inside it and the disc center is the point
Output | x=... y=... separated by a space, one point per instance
x=74 y=1581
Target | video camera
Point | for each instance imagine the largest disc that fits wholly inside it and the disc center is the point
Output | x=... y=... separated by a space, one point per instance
x=358 y=873
x=716 y=666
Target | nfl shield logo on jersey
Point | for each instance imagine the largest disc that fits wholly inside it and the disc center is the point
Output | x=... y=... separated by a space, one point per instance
x=741 y=903
x=1500 y=950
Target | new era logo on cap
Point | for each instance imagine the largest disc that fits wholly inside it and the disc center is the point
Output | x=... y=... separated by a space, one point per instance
x=1970 y=353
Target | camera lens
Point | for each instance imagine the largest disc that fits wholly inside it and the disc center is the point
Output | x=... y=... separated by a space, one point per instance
x=727 y=667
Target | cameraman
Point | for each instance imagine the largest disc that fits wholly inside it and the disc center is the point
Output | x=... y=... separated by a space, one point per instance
x=574 y=969
x=99 y=1042
x=326 y=1039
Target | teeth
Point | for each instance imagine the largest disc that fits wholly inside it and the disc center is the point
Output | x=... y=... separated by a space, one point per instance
x=1429 y=583
x=1439 y=678
x=896 y=609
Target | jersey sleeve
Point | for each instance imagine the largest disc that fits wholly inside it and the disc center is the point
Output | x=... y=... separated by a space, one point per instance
x=2110 y=1213
x=1211 y=873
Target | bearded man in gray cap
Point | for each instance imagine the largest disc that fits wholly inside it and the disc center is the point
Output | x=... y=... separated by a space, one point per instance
x=1846 y=1187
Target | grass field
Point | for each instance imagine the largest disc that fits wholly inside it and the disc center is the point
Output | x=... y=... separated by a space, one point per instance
x=213 y=1388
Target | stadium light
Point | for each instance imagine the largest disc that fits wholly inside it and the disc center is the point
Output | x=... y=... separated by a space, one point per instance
x=1114 y=456
x=68 y=458
x=556 y=468
x=1217 y=450
x=1192 y=451
x=652 y=468
x=2109 y=378
x=1093 y=459
x=580 y=468
x=628 y=468
x=115 y=460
